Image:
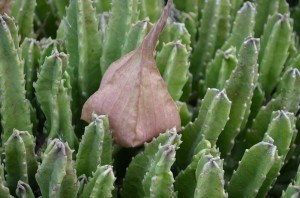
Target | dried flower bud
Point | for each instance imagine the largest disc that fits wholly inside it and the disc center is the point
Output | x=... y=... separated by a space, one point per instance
x=5 y=6
x=134 y=95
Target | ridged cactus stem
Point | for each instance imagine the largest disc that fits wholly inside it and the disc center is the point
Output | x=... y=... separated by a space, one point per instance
x=239 y=89
x=57 y=168
x=92 y=147
x=15 y=111
x=213 y=116
x=118 y=25
x=205 y=46
x=151 y=9
x=255 y=164
x=275 y=53
x=293 y=188
x=30 y=54
x=101 y=184
x=264 y=10
x=84 y=46
x=141 y=163
x=16 y=165
x=174 y=31
x=185 y=182
x=21 y=163
x=23 y=12
x=220 y=68
x=242 y=26
x=158 y=181
x=102 y=5
x=60 y=6
x=173 y=64
x=210 y=181
x=287 y=97
x=24 y=190
x=281 y=130
x=136 y=35
x=53 y=93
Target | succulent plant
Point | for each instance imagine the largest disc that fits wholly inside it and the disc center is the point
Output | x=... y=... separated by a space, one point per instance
x=149 y=98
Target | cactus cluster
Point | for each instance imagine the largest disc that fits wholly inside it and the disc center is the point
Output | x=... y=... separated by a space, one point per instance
x=229 y=68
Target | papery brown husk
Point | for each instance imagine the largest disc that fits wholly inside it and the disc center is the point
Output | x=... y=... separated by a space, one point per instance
x=134 y=95
x=5 y=6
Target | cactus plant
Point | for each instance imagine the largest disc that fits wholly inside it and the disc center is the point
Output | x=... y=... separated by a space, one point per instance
x=194 y=98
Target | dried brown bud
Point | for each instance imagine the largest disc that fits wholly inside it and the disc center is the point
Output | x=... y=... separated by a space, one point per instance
x=5 y=6
x=134 y=95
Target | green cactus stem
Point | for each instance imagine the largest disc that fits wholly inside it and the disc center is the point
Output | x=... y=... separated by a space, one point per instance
x=264 y=10
x=293 y=188
x=53 y=94
x=23 y=12
x=187 y=6
x=281 y=131
x=102 y=5
x=235 y=6
x=295 y=61
x=191 y=24
x=174 y=32
x=101 y=184
x=245 y=19
x=30 y=54
x=118 y=25
x=158 y=181
x=82 y=180
x=239 y=90
x=185 y=114
x=20 y=159
x=275 y=46
x=185 y=182
x=47 y=47
x=208 y=33
x=242 y=26
x=24 y=190
x=286 y=98
x=84 y=46
x=172 y=62
x=224 y=24
x=136 y=35
x=210 y=181
x=252 y=170
x=57 y=167
x=4 y=191
x=15 y=111
x=95 y=147
x=60 y=6
x=257 y=101
x=141 y=163
x=219 y=70
x=211 y=120
x=151 y=9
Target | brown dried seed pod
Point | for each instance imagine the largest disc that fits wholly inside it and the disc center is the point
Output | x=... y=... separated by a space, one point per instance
x=134 y=95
